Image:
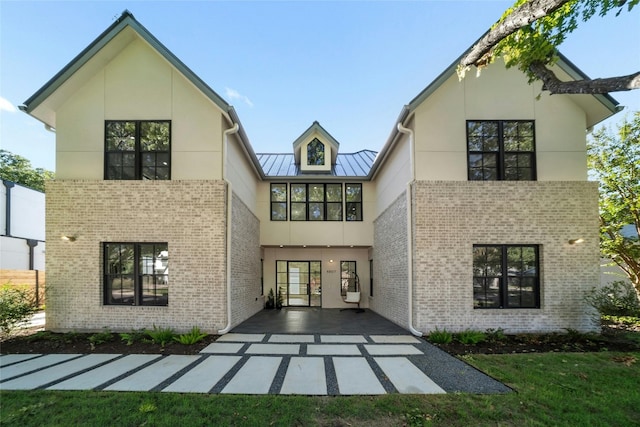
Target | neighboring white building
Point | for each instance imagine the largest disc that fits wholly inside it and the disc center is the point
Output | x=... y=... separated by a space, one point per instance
x=466 y=217
x=22 y=223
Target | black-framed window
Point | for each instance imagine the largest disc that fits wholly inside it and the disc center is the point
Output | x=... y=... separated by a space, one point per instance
x=315 y=153
x=279 y=202
x=136 y=274
x=353 y=196
x=316 y=202
x=349 y=281
x=137 y=149
x=506 y=276
x=370 y=277
x=501 y=150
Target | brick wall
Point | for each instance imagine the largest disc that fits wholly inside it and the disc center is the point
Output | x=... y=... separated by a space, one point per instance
x=246 y=298
x=390 y=272
x=189 y=215
x=449 y=217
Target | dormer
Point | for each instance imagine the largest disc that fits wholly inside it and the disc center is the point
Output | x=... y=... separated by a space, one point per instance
x=315 y=151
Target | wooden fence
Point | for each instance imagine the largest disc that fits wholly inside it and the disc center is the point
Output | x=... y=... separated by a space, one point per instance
x=32 y=280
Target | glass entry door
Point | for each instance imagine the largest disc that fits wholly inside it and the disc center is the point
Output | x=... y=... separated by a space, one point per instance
x=299 y=283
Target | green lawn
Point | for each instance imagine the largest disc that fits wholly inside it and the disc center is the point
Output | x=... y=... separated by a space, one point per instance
x=563 y=389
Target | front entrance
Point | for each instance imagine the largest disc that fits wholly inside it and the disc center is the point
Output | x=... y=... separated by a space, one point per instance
x=300 y=283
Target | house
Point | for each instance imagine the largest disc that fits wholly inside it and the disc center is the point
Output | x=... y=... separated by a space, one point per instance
x=467 y=217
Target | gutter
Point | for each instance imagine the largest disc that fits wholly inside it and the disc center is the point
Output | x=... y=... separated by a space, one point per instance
x=412 y=179
x=225 y=142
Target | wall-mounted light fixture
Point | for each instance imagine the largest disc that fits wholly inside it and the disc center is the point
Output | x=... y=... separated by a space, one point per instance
x=576 y=241
x=68 y=238
x=331 y=261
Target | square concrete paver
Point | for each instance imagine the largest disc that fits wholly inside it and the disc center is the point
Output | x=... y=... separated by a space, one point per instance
x=391 y=349
x=100 y=375
x=45 y=376
x=223 y=347
x=241 y=337
x=406 y=377
x=395 y=339
x=306 y=376
x=152 y=375
x=288 y=338
x=255 y=377
x=203 y=376
x=355 y=376
x=350 y=339
x=333 y=350
x=273 y=349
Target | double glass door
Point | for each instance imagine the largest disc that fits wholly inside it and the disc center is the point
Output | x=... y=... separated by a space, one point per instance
x=299 y=283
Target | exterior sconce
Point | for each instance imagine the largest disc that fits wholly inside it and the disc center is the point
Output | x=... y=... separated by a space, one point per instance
x=576 y=241
x=331 y=261
x=68 y=238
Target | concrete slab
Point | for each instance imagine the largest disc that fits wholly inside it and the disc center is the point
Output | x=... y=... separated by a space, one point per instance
x=255 y=377
x=45 y=376
x=395 y=339
x=355 y=376
x=287 y=338
x=333 y=350
x=203 y=376
x=306 y=376
x=154 y=374
x=241 y=338
x=8 y=359
x=406 y=377
x=34 y=364
x=391 y=349
x=273 y=349
x=98 y=376
x=222 y=348
x=351 y=339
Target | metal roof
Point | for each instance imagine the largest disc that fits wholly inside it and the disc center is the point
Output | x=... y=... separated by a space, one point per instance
x=348 y=165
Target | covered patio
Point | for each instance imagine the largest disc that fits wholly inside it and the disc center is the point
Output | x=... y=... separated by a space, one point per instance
x=315 y=320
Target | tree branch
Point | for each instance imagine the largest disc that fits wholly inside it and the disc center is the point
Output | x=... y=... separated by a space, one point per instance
x=520 y=17
x=554 y=85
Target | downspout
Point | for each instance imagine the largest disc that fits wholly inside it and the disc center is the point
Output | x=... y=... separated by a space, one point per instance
x=7 y=206
x=412 y=178
x=225 y=142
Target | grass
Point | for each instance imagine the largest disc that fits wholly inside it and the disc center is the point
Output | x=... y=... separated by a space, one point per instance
x=568 y=389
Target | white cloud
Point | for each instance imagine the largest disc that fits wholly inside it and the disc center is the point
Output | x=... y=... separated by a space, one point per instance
x=5 y=105
x=234 y=94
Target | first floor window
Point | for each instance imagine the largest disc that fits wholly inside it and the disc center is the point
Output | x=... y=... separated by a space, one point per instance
x=349 y=281
x=136 y=274
x=506 y=276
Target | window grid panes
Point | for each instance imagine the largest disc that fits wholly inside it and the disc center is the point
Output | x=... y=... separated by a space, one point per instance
x=501 y=150
x=136 y=274
x=316 y=202
x=279 y=202
x=353 y=197
x=348 y=277
x=315 y=153
x=137 y=150
x=506 y=276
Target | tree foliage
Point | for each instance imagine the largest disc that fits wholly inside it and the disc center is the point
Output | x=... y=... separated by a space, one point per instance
x=528 y=34
x=19 y=170
x=614 y=159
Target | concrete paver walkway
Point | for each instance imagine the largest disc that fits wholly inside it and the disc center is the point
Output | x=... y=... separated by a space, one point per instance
x=304 y=364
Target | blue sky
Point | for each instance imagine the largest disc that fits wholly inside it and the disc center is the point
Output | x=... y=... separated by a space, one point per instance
x=351 y=65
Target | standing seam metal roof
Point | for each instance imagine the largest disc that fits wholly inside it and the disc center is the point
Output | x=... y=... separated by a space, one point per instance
x=348 y=165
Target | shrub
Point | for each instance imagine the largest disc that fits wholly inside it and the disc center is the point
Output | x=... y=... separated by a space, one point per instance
x=470 y=336
x=495 y=335
x=100 y=338
x=160 y=335
x=440 y=336
x=16 y=305
x=192 y=337
x=130 y=337
x=615 y=299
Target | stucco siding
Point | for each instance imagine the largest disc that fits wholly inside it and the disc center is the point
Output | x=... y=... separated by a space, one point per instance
x=450 y=217
x=188 y=215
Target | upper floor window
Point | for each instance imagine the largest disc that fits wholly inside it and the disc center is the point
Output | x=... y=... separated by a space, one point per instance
x=506 y=276
x=316 y=202
x=137 y=150
x=353 y=194
x=315 y=153
x=279 y=202
x=136 y=274
x=501 y=150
